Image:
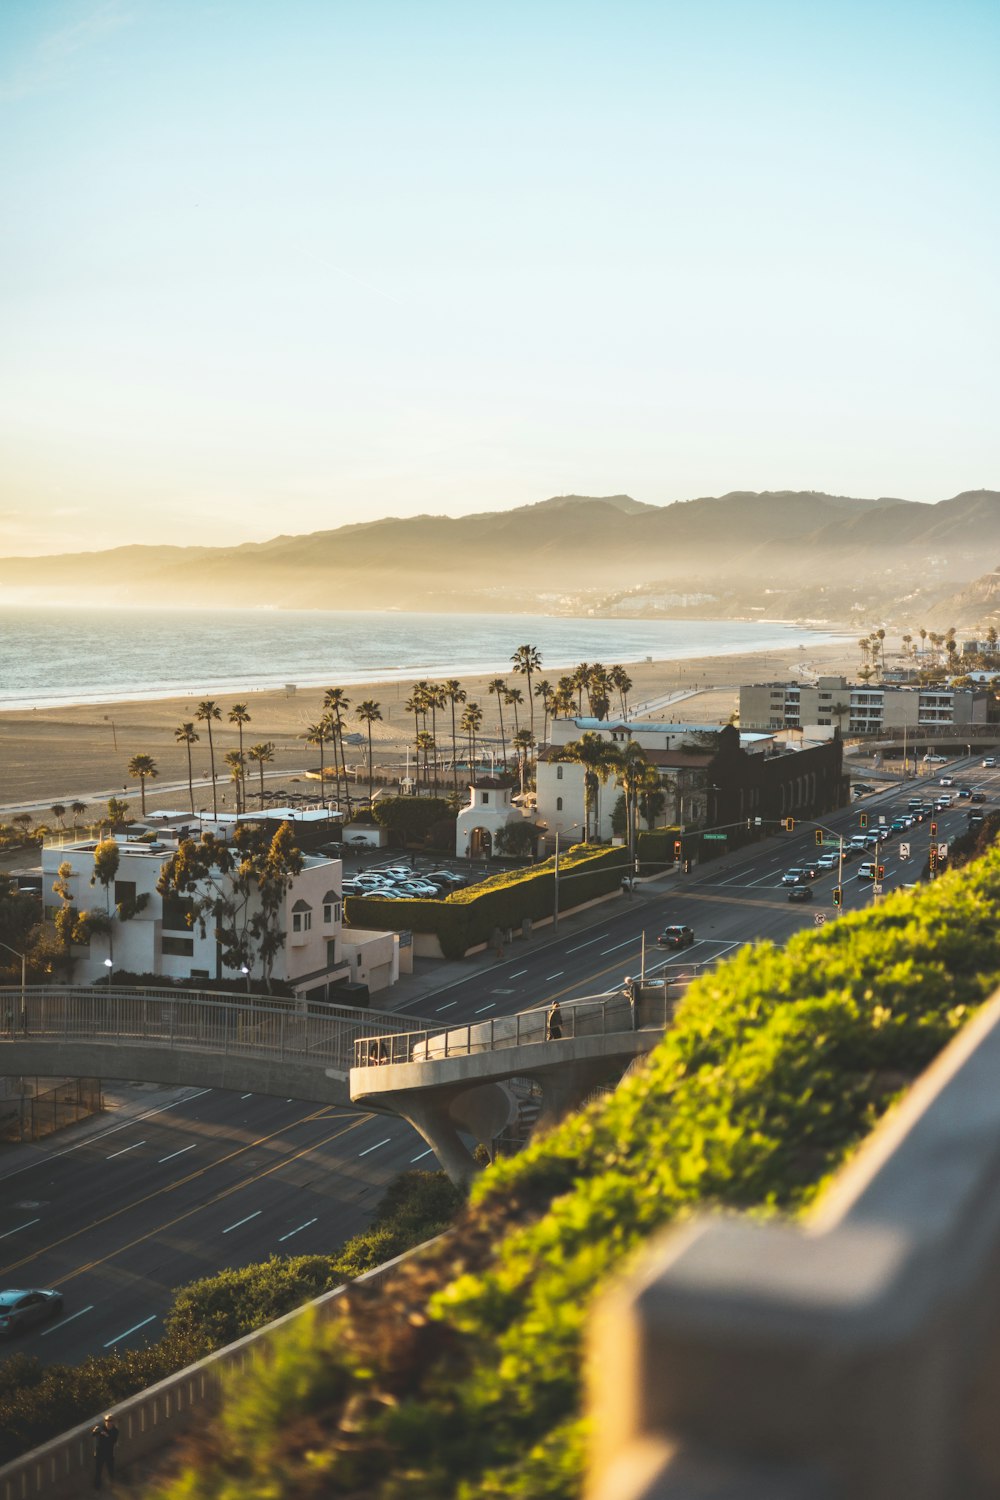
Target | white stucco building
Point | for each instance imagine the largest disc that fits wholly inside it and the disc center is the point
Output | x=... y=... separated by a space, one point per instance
x=316 y=953
x=489 y=809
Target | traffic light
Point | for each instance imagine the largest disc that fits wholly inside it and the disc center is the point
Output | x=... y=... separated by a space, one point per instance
x=677 y=848
x=838 y=895
x=863 y=820
x=789 y=825
x=819 y=837
x=881 y=872
x=933 y=830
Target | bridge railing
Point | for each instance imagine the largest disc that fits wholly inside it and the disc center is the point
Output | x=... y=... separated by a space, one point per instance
x=230 y=1025
x=591 y=1015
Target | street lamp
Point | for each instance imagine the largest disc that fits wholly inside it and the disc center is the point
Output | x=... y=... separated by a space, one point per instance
x=24 y=967
x=108 y=964
x=246 y=971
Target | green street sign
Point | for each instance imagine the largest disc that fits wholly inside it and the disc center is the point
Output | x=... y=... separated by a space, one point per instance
x=715 y=835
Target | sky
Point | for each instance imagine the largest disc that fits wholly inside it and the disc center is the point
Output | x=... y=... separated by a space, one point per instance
x=271 y=268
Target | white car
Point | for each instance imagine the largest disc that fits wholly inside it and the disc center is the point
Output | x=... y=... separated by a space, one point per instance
x=935 y=760
x=828 y=861
x=990 y=761
x=946 y=781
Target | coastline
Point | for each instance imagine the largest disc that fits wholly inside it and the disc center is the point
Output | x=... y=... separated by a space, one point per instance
x=81 y=751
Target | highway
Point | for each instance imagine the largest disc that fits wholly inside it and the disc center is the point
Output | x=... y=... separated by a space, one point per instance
x=119 y=1214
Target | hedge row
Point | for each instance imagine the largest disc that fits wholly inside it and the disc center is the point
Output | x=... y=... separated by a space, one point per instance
x=39 y=1402
x=471 y=916
x=462 y=1377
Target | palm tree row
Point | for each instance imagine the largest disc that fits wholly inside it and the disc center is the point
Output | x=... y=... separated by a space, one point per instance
x=638 y=778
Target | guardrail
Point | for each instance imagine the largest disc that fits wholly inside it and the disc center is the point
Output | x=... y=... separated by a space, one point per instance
x=155 y=1417
x=230 y=1026
x=592 y=1015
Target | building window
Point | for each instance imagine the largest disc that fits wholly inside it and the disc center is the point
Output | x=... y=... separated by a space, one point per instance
x=559 y=771
x=177 y=913
x=486 y=798
x=302 y=921
x=558 y=804
x=199 y=973
x=331 y=953
x=125 y=892
x=331 y=913
x=177 y=947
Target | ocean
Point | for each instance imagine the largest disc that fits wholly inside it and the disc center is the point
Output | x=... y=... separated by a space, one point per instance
x=51 y=657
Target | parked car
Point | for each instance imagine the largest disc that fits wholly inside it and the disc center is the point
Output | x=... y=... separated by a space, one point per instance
x=801 y=893
x=935 y=760
x=677 y=936
x=20 y=1309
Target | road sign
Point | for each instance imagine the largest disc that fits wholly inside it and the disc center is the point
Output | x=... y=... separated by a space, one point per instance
x=820 y=918
x=942 y=851
x=876 y=889
x=715 y=835
x=881 y=818
x=904 y=851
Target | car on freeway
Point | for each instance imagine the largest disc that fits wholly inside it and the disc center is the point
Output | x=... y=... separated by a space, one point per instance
x=675 y=936
x=801 y=893
x=850 y=852
x=866 y=870
x=794 y=877
x=946 y=781
x=828 y=861
x=964 y=792
x=975 y=819
x=990 y=762
x=20 y=1309
x=978 y=796
x=810 y=869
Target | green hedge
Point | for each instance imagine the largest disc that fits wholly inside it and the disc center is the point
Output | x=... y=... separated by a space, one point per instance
x=470 y=916
x=463 y=1378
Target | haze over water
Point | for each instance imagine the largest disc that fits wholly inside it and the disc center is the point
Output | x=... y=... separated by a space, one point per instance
x=50 y=658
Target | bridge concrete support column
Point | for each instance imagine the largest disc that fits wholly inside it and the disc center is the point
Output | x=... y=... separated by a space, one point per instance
x=566 y=1088
x=431 y=1119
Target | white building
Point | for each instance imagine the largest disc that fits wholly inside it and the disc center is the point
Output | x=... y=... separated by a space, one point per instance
x=490 y=808
x=158 y=938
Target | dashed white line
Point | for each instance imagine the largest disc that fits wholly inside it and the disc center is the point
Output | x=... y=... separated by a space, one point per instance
x=7 y=1233
x=557 y=975
x=376 y=1146
x=176 y=1153
x=445 y=1007
x=126 y=1149
x=629 y=943
x=246 y=1096
x=134 y=1329
x=288 y=1236
x=255 y=1215
x=518 y=974
x=484 y=1007
x=64 y=1321
x=589 y=943
x=421 y=1156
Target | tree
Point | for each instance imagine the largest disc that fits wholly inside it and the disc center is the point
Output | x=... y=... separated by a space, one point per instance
x=77 y=809
x=578 y=680
x=425 y=743
x=472 y=722
x=143 y=768
x=522 y=744
x=205 y=713
x=369 y=712
x=619 y=679
x=106 y=861
x=58 y=811
x=316 y=734
x=597 y=757
x=262 y=754
x=239 y=888
x=455 y=693
x=651 y=795
x=237 y=771
x=117 y=812
x=514 y=697
x=498 y=689
x=598 y=691
x=239 y=715
x=629 y=765
x=526 y=660
x=543 y=690
x=187 y=735
x=837 y=713
x=414 y=706
x=336 y=703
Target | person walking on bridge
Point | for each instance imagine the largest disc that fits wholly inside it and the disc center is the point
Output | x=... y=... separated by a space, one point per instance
x=105 y=1436
x=553 y=1023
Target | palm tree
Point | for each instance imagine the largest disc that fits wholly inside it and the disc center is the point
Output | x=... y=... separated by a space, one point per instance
x=498 y=688
x=525 y=660
x=369 y=712
x=336 y=703
x=597 y=757
x=544 y=690
x=563 y=700
x=472 y=722
x=77 y=809
x=318 y=734
x=454 y=693
x=514 y=697
x=619 y=679
x=923 y=639
x=58 y=811
x=598 y=689
x=142 y=767
x=522 y=744
x=237 y=772
x=435 y=698
x=578 y=680
x=630 y=765
x=414 y=705
x=185 y=734
x=425 y=742
x=262 y=753
x=239 y=715
x=837 y=713
x=205 y=713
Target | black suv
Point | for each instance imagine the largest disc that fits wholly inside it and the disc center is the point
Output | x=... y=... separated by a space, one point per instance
x=675 y=937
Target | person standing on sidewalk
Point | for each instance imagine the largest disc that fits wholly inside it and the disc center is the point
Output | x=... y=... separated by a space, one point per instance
x=105 y=1436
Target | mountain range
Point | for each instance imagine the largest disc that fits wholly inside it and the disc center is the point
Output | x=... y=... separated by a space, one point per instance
x=790 y=553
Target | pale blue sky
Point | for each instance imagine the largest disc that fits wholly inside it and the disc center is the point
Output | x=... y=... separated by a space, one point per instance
x=272 y=267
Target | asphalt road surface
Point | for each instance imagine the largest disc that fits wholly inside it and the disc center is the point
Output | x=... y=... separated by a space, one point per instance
x=120 y=1215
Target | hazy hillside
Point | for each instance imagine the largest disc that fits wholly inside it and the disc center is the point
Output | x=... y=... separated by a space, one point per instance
x=568 y=552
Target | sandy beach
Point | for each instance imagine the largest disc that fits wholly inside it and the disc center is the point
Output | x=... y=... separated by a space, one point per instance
x=57 y=755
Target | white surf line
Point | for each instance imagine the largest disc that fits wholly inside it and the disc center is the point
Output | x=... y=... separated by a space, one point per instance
x=629 y=943
x=288 y=1236
x=484 y=1007
x=176 y=1153
x=7 y=1233
x=509 y=976
x=64 y=1321
x=587 y=944
x=376 y=1146
x=255 y=1215
x=101 y=1135
x=421 y=1156
x=125 y=1150
x=134 y=1329
x=445 y=1007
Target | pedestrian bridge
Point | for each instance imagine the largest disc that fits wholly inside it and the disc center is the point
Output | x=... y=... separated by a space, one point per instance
x=281 y=1048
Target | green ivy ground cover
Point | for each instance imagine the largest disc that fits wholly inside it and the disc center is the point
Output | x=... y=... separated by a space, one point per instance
x=461 y=1379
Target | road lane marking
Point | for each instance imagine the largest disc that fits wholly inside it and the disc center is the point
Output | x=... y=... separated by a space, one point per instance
x=518 y=974
x=376 y=1146
x=629 y=942
x=245 y=1096
x=176 y=1153
x=557 y=975
x=288 y=1236
x=239 y=1222
x=445 y=1007
x=422 y=1155
x=125 y=1150
x=134 y=1329
x=484 y=1007
x=6 y=1235
x=64 y=1321
x=589 y=943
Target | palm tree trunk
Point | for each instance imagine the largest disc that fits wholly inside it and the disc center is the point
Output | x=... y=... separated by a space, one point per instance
x=261 y=765
x=211 y=756
x=454 y=751
x=190 y=779
x=371 y=779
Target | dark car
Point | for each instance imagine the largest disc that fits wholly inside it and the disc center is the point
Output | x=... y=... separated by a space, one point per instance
x=675 y=937
x=19 y=1310
x=801 y=893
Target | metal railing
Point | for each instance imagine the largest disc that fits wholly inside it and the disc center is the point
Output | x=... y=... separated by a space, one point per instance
x=592 y=1015
x=187 y=1021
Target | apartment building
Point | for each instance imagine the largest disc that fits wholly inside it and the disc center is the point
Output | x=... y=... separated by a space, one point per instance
x=858 y=708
